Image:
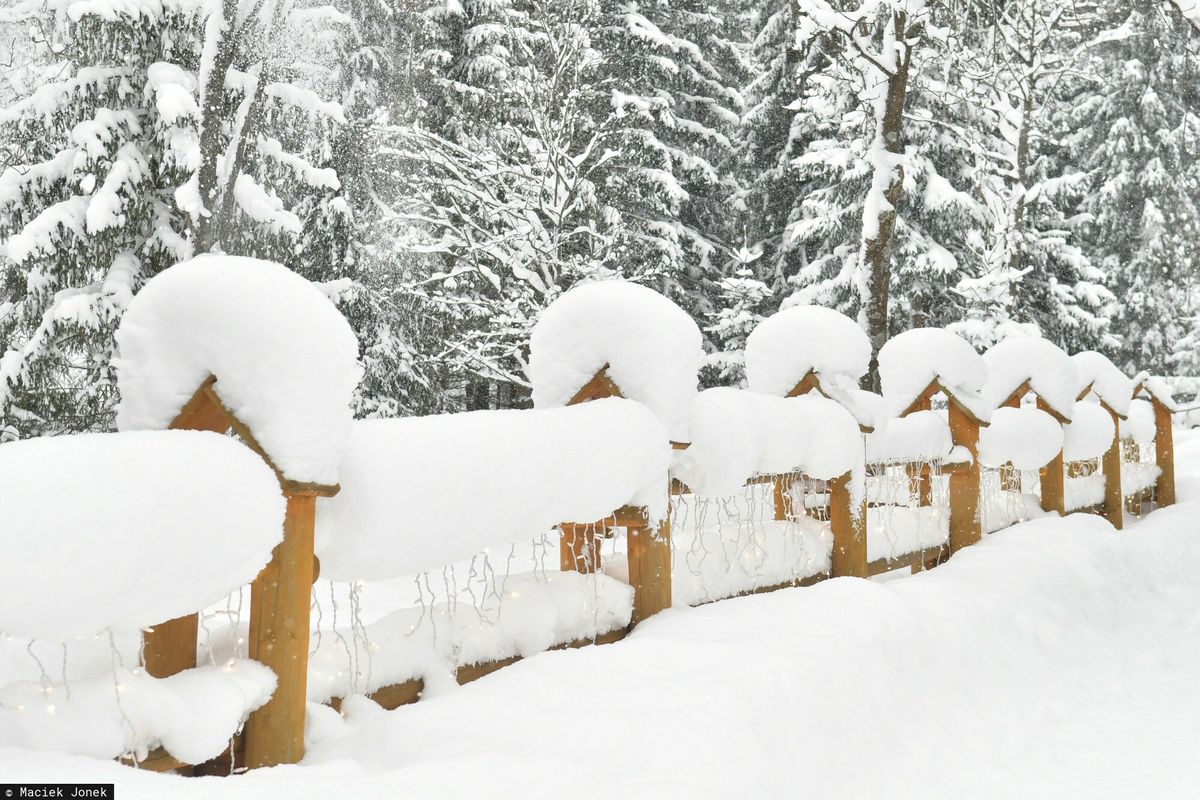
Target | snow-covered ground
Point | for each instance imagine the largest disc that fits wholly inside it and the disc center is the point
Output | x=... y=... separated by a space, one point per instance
x=1058 y=658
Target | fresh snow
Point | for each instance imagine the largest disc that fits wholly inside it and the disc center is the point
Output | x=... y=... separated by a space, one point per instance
x=192 y=714
x=737 y=434
x=1140 y=425
x=1090 y=433
x=1085 y=491
x=528 y=614
x=651 y=346
x=421 y=492
x=1050 y=372
x=786 y=346
x=910 y=361
x=284 y=358
x=920 y=436
x=1106 y=382
x=894 y=531
x=1072 y=645
x=1025 y=437
x=124 y=530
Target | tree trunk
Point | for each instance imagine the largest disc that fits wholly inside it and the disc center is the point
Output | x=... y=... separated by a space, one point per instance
x=1016 y=256
x=877 y=249
x=211 y=112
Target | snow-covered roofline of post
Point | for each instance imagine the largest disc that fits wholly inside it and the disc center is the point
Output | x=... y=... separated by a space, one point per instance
x=247 y=343
x=1156 y=389
x=124 y=530
x=812 y=348
x=617 y=338
x=1022 y=364
x=738 y=434
x=1099 y=376
x=922 y=362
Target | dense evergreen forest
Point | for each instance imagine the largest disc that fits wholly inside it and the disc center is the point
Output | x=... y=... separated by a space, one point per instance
x=445 y=168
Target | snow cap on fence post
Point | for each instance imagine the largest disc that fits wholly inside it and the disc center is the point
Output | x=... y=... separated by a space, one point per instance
x=1163 y=403
x=1020 y=365
x=812 y=348
x=1101 y=379
x=618 y=339
x=627 y=335
x=920 y=363
x=284 y=358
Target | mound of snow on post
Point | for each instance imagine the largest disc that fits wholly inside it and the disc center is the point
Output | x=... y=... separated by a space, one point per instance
x=738 y=434
x=192 y=714
x=1107 y=382
x=921 y=436
x=651 y=346
x=1090 y=433
x=1140 y=425
x=786 y=346
x=284 y=358
x=422 y=492
x=1026 y=437
x=912 y=360
x=1049 y=370
x=1156 y=388
x=125 y=530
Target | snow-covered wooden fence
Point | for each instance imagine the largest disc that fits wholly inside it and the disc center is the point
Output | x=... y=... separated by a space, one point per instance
x=652 y=493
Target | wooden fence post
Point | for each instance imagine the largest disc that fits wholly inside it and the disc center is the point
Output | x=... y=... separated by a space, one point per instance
x=1114 y=499
x=649 y=554
x=279 y=638
x=965 y=526
x=849 y=530
x=1164 y=455
x=1054 y=477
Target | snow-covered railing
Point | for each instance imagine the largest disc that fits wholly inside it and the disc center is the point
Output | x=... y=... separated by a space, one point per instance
x=653 y=493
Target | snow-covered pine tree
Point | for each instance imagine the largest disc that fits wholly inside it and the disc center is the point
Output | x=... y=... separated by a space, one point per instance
x=896 y=174
x=168 y=129
x=778 y=125
x=744 y=301
x=665 y=94
x=83 y=217
x=1131 y=127
x=1037 y=274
